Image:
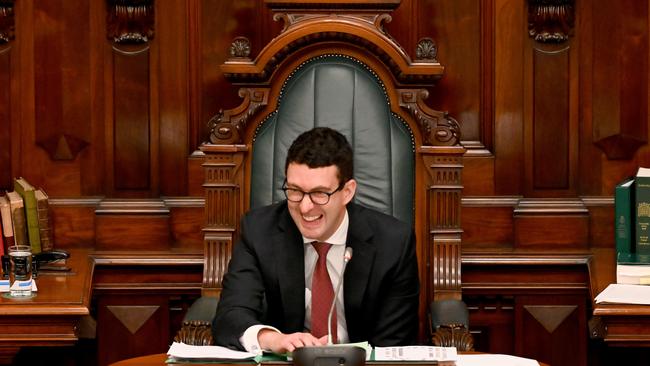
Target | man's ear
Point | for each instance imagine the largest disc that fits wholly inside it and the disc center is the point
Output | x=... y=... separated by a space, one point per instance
x=348 y=190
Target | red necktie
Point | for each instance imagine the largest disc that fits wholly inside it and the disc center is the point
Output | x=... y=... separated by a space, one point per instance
x=322 y=294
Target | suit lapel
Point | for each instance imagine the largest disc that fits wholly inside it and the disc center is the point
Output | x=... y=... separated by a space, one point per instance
x=290 y=250
x=358 y=269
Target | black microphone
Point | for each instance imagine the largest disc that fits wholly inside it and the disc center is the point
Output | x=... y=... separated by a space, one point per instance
x=346 y=258
x=327 y=355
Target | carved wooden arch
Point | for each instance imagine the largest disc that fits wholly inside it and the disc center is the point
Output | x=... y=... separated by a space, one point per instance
x=358 y=34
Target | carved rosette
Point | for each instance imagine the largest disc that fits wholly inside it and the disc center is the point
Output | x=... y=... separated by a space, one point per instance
x=453 y=335
x=240 y=48
x=130 y=21
x=426 y=50
x=6 y=21
x=550 y=21
x=438 y=128
x=195 y=333
x=227 y=127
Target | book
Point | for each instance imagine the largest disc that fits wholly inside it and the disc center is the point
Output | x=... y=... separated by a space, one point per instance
x=2 y=242
x=642 y=199
x=624 y=220
x=26 y=191
x=44 y=220
x=633 y=274
x=5 y=218
x=18 y=224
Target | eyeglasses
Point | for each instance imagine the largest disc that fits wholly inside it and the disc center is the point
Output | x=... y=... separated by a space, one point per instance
x=316 y=197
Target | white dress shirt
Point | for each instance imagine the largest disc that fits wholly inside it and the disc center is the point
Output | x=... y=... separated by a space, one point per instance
x=334 y=266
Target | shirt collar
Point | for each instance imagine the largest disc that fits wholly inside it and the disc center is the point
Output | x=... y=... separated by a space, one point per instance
x=340 y=235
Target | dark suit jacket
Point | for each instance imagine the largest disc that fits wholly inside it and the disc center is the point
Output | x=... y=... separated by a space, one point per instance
x=265 y=281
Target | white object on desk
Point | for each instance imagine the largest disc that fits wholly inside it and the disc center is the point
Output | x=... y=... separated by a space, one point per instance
x=624 y=294
x=184 y=351
x=415 y=353
x=494 y=360
x=4 y=285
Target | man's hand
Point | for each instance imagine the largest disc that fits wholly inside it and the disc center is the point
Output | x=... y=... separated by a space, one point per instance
x=282 y=343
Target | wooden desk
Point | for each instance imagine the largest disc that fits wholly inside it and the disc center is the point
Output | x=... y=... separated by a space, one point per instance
x=159 y=360
x=51 y=317
x=616 y=324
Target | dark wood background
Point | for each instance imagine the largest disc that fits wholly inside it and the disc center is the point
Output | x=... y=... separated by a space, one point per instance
x=111 y=130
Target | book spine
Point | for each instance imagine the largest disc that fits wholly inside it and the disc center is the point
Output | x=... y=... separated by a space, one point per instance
x=31 y=217
x=45 y=224
x=3 y=246
x=642 y=191
x=7 y=228
x=623 y=208
x=19 y=225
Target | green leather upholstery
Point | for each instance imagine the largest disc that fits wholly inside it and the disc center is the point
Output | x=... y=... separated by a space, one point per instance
x=339 y=92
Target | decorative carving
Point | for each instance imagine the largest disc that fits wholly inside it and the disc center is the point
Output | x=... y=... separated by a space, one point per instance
x=240 y=48
x=426 y=50
x=453 y=335
x=130 y=21
x=550 y=21
x=346 y=28
x=6 y=21
x=133 y=317
x=550 y=316
x=227 y=127
x=63 y=147
x=195 y=333
x=438 y=128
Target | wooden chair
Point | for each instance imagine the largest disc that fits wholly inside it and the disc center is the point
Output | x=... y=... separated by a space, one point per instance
x=335 y=65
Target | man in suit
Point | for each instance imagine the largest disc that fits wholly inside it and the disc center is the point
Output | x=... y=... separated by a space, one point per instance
x=266 y=302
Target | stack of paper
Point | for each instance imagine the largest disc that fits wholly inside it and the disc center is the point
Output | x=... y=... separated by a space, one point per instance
x=182 y=351
x=415 y=353
x=624 y=294
x=494 y=360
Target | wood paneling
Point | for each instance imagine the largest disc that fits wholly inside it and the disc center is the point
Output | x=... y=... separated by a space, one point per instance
x=132 y=130
x=62 y=102
x=558 y=124
x=620 y=82
x=551 y=119
x=5 y=116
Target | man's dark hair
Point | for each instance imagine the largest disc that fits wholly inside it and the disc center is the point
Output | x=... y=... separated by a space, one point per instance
x=321 y=147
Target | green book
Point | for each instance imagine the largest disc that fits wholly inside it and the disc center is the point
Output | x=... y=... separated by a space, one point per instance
x=26 y=191
x=642 y=193
x=624 y=220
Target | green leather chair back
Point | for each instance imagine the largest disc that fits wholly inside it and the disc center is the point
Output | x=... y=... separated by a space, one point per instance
x=341 y=93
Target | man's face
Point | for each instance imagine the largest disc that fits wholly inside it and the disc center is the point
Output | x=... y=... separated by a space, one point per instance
x=315 y=221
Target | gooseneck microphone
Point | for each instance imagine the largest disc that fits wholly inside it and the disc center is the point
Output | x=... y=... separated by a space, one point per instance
x=346 y=258
x=327 y=355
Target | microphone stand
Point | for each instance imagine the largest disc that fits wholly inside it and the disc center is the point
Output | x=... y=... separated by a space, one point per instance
x=346 y=258
x=328 y=355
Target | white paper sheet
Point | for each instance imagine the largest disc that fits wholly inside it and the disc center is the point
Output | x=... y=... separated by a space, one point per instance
x=494 y=360
x=184 y=351
x=624 y=294
x=415 y=353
